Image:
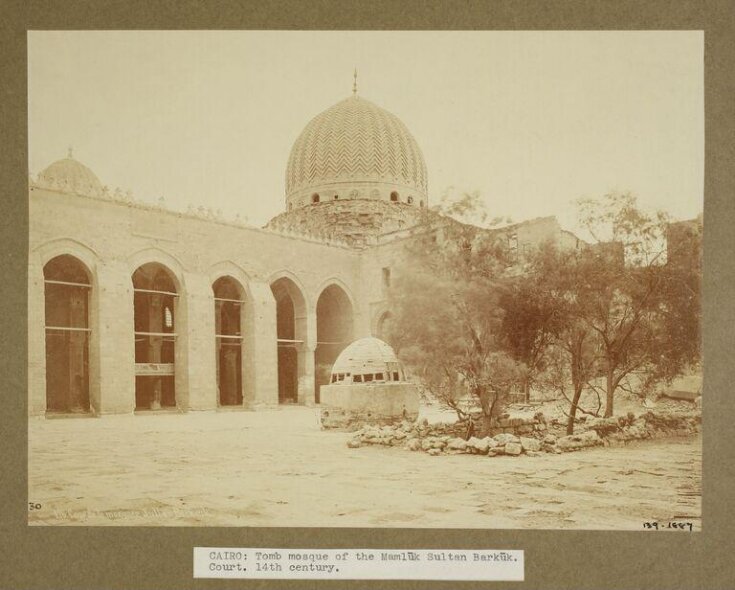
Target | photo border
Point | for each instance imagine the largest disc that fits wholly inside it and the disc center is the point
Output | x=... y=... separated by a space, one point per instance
x=161 y=557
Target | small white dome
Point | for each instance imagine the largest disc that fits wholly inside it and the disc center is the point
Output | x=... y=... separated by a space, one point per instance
x=367 y=356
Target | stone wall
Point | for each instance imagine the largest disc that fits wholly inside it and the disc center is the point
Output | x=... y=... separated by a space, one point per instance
x=354 y=405
x=442 y=439
x=113 y=238
x=357 y=222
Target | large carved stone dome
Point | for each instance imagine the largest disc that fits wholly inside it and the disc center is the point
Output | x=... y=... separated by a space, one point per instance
x=355 y=150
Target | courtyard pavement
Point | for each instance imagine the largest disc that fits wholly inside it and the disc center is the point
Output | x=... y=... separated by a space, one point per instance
x=277 y=468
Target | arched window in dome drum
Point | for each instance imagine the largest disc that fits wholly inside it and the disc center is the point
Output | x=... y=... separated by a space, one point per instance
x=409 y=200
x=228 y=300
x=315 y=198
x=67 y=289
x=421 y=204
x=394 y=196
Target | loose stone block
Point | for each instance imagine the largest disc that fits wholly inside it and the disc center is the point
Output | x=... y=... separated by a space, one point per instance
x=530 y=444
x=505 y=438
x=513 y=448
x=589 y=438
x=414 y=444
x=457 y=444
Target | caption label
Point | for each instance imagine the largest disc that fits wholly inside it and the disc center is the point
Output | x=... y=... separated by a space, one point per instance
x=358 y=564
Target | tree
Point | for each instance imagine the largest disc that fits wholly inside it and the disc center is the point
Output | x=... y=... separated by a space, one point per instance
x=473 y=320
x=615 y=308
x=681 y=342
x=529 y=326
x=621 y=286
x=446 y=316
x=569 y=351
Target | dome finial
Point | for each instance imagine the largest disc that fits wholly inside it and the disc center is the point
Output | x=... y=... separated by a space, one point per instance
x=69 y=153
x=354 y=83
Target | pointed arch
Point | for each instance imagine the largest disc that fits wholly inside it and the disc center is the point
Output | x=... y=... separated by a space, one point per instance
x=56 y=247
x=295 y=288
x=156 y=308
x=339 y=283
x=67 y=295
x=229 y=300
x=382 y=326
x=334 y=329
x=156 y=255
x=232 y=269
x=291 y=334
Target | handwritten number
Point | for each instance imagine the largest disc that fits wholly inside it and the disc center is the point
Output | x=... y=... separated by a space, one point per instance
x=669 y=525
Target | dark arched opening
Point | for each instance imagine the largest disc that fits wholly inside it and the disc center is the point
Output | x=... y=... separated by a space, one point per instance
x=228 y=300
x=394 y=196
x=290 y=334
x=315 y=198
x=155 y=305
x=383 y=327
x=67 y=288
x=333 y=332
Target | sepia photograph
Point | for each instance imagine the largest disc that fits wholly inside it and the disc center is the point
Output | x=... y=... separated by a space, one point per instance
x=400 y=279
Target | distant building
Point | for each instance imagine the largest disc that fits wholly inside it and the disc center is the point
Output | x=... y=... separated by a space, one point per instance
x=684 y=242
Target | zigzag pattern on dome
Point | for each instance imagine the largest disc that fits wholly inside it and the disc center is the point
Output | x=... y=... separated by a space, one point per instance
x=355 y=140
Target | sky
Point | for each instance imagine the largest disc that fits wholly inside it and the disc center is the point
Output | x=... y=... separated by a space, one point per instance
x=533 y=121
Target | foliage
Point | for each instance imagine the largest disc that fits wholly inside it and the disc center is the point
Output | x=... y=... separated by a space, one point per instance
x=619 y=303
x=680 y=345
x=622 y=287
x=446 y=316
x=474 y=322
x=530 y=322
x=467 y=208
x=571 y=352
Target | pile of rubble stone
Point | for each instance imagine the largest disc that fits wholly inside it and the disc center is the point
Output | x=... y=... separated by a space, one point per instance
x=441 y=439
